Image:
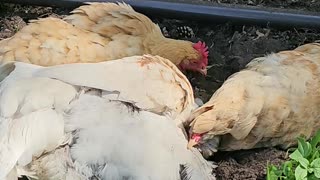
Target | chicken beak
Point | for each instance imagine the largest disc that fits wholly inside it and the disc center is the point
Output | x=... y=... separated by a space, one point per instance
x=203 y=71
x=191 y=143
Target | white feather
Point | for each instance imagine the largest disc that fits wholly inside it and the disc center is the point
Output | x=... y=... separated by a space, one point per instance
x=29 y=136
x=56 y=165
x=130 y=144
x=31 y=119
x=41 y=108
x=151 y=82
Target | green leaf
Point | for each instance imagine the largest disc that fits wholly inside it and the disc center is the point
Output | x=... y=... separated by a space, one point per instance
x=304 y=163
x=272 y=176
x=316 y=167
x=296 y=155
x=304 y=147
x=317 y=172
x=272 y=172
x=312 y=177
x=300 y=173
x=314 y=156
x=315 y=163
x=288 y=171
x=315 y=140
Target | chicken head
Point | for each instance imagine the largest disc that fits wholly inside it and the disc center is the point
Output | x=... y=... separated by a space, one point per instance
x=198 y=64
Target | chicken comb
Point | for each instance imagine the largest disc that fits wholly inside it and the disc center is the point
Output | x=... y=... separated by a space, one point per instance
x=203 y=49
x=196 y=137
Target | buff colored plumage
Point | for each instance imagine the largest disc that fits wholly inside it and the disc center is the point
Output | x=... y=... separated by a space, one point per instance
x=99 y=32
x=270 y=103
x=51 y=41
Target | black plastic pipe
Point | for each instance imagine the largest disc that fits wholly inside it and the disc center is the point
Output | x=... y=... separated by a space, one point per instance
x=204 y=12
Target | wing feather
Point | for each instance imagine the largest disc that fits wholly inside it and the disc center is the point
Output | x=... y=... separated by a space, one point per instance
x=151 y=82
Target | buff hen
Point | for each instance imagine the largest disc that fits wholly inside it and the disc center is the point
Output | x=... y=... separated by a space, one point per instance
x=99 y=32
x=270 y=103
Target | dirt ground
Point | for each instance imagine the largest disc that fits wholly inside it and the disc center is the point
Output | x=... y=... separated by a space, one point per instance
x=247 y=165
x=231 y=48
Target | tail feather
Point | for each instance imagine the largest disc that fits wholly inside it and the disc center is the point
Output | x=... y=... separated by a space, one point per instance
x=184 y=172
x=109 y=19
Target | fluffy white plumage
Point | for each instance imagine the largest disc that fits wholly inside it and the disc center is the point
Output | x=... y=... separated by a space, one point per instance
x=110 y=120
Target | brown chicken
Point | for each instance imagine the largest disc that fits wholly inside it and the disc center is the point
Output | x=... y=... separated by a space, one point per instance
x=270 y=103
x=99 y=32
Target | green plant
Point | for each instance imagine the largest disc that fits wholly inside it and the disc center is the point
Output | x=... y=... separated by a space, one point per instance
x=304 y=162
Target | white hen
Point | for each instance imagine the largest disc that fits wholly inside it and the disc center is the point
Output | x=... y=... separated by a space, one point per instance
x=77 y=121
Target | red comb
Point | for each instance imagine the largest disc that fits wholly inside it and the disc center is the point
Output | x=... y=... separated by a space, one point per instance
x=196 y=137
x=203 y=49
